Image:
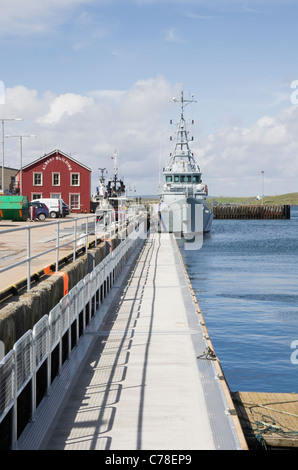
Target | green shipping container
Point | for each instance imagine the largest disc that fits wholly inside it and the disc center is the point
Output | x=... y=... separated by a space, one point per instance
x=14 y=208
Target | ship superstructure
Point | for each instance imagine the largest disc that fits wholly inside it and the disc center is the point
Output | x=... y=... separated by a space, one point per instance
x=183 y=189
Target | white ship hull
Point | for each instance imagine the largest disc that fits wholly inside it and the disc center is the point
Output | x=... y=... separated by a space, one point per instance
x=184 y=215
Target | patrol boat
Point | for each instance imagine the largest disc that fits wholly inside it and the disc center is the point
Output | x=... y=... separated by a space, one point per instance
x=183 y=207
x=110 y=197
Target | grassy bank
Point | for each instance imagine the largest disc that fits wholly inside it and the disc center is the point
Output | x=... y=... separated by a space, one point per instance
x=279 y=200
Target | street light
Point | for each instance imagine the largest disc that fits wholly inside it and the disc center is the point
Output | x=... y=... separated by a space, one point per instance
x=262 y=172
x=21 y=156
x=3 y=120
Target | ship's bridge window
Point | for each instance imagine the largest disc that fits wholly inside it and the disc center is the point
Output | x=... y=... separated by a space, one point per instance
x=176 y=178
x=188 y=179
x=196 y=178
x=169 y=179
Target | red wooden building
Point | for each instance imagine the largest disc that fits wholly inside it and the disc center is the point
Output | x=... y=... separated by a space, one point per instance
x=57 y=175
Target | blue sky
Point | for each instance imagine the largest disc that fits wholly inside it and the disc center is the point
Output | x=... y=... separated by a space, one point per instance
x=92 y=76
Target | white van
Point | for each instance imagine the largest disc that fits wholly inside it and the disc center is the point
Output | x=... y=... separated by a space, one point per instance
x=54 y=206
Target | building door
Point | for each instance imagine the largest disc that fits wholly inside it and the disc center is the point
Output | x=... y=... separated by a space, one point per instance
x=74 y=201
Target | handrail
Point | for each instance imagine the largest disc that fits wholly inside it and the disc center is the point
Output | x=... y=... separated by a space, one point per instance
x=94 y=231
x=69 y=319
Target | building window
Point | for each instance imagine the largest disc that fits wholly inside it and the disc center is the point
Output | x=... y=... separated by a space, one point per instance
x=56 y=179
x=74 y=201
x=36 y=196
x=55 y=196
x=75 y=179
x=37 y=179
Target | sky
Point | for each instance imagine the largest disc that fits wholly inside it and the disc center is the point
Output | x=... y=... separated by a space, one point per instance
x=89 y=77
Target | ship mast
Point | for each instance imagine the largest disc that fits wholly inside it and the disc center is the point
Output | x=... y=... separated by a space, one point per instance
x=115 y=170
x=182 y=149
x=102 y=180
x=184 y=103
x=115 y=185
x=115 y=164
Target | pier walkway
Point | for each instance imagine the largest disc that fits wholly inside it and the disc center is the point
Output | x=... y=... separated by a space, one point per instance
x=145 y=381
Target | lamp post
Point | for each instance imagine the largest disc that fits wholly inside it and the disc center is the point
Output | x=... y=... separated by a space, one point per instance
x=21 y=157
x=262 y=172
x=3 y=120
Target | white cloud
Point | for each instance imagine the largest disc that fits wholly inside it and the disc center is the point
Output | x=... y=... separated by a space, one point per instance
x=197 y=16
x=33 y=17
x=90 y=127
x=266 y=121
x=135 y=122
x=21 y=101
x=233 y=157
x=109 y=94
x=172 y=36
x=67 y=104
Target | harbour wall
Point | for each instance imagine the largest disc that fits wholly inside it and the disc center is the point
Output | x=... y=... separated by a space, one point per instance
x=251 y=212
x=20 y=315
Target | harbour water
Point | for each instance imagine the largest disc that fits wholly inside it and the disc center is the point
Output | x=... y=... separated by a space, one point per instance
x=245 y=278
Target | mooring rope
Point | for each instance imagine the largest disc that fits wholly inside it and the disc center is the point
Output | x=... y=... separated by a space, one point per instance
x=265 y=424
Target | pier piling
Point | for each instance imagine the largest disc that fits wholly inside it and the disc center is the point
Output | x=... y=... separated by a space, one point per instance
x=251 y=212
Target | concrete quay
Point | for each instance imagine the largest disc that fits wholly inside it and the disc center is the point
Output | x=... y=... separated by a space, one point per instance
x=13 y=246
x=21 y=310
x=146 y=381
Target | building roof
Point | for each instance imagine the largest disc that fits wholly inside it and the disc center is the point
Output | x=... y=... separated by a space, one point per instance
x=56 y=152
x=9 y=168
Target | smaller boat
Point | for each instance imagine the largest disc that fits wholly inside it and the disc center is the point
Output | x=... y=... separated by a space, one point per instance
x=110 y=197
x=100 y=194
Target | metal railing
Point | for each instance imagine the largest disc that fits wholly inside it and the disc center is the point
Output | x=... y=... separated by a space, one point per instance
x=101 y=229
x=54 y=336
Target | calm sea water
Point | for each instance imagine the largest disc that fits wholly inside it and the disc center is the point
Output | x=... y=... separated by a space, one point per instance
x=245 y=278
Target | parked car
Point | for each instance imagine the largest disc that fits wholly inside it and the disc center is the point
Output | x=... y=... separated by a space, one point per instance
x=38 y=210
x=54 y=205
x=65 y=209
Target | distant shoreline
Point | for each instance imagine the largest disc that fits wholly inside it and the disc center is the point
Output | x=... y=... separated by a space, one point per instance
x=279 y=200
